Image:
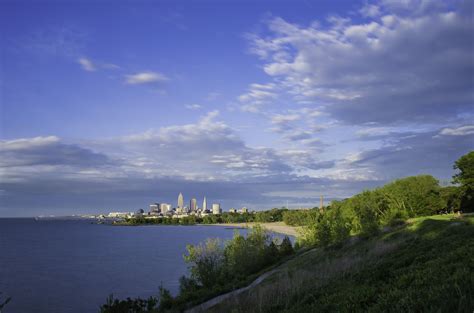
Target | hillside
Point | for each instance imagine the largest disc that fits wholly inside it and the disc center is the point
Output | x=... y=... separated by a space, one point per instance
x=426 y=265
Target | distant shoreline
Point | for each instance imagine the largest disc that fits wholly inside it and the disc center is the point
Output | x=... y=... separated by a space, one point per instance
x=276 y=227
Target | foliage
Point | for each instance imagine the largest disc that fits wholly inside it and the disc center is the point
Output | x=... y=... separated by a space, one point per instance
x=332 y=226
x=366 y=213
x=451 y=195
x=425 y=266
x=465 y=177
x=465 y=166
x=300 y=217
x=273 y=215
x=129 y=305
x=286 y=248
x=415 y=195
x=216 y=267
x=207 y=261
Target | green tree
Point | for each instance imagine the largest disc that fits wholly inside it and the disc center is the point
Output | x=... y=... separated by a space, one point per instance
x=286 y=248
x=414 y=195
x=245 y=256
x=206 y=262
x=465 y=177
x=366 y=216
x=465 y=166
x=451 y=195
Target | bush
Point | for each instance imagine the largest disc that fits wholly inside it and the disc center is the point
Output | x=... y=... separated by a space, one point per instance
x=300 y=217
x=207 y=262
x=273 y=215
x=286 y=247
x=451 y=196
x=365 y=213
x=245 y=256
x=215 y=266
x=465 y=177
x=128 y=306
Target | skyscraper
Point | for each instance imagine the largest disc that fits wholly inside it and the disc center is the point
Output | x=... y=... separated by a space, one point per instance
x=193 y=205
x=165 y=207
x=180 y=201
x=155 y=208
x=216 y=208
x=204 y=205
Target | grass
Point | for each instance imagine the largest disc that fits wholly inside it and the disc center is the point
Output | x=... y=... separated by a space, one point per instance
x=425 y=266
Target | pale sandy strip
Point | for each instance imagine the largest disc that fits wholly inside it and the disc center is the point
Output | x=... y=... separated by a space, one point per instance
x=277 y=227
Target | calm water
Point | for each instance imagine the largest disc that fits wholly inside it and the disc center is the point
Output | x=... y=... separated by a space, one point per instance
x=72 y=266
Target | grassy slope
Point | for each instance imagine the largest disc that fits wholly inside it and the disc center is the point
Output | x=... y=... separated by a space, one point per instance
x=425 y=266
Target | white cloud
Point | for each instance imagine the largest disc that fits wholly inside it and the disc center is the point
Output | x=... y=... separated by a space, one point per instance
x=370 y=10
x=87 y=64
x=298 y=135
x=45 y=153
x=91 y=66
x=388 y=69
x=283 y=118
x=145 y=78
x=193 y=106
x=459 y=131
x=374 y=131
x=257 y=96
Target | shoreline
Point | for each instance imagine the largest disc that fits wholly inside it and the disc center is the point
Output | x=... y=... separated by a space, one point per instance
x=276 y=227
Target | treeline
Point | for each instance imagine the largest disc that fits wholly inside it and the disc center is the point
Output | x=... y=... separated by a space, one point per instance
x=300 y=217
x=273 y=215
x=215 y=267
x=367 y=213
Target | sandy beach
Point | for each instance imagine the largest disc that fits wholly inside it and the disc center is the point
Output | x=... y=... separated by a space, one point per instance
x=277 y=227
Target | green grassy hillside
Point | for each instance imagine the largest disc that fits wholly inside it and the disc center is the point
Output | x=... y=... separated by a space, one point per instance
x=426 y=265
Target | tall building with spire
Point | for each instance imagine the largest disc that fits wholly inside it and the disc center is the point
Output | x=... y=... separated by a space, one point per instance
x=204 y=204
x=180 y=201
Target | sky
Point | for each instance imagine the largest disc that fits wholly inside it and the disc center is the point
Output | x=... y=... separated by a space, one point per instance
x=110 y=106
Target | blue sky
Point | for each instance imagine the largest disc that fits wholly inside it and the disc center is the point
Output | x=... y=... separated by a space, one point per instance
x=248 y=103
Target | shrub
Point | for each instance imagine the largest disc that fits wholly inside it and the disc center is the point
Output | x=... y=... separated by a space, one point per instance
x=286 y=248
x=207 y=262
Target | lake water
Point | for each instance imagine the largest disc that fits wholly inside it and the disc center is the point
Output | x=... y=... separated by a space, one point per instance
x=72 y=266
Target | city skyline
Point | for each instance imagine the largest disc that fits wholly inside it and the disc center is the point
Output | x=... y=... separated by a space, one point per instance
x=254 y=104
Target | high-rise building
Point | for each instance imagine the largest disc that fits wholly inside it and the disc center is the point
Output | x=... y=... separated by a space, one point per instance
x=193 y=205
x=165 y=207
x=155 y=208
x=204 y=205
x=216 y=208
x=180 y=201
x=244 y=210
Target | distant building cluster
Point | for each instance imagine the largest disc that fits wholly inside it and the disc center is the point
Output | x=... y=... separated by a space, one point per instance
x=164 y=209
x=181 y=210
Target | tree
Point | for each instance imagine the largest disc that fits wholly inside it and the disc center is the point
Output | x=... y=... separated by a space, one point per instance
x=465 y=165
x=286 y=248
x=415 y=195
x=465 y=177
x=246 y=256
x=207 y=262
x=451 y=195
